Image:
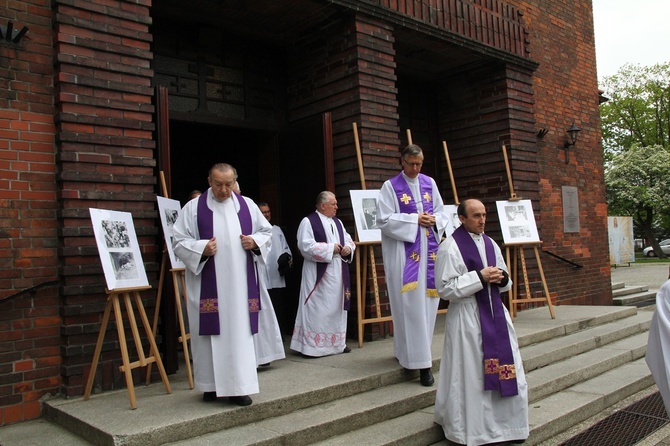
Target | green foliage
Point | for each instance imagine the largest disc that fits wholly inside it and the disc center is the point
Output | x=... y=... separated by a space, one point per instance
x=638 y=110
x=637 y=183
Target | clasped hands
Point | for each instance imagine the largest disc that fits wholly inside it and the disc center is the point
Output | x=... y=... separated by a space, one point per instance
x=492 y=274
x=343 y=251
x=426 y=220
x=248 y=243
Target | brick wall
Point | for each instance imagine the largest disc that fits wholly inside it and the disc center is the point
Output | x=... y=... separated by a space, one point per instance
x=29 y=318
x=356 y=83
x=565 y=90
x=106 y=160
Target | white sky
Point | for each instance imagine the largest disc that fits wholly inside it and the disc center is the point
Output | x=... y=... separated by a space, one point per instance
x=631 y=31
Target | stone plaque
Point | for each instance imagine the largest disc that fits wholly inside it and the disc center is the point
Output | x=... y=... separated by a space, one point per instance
x=570 y=209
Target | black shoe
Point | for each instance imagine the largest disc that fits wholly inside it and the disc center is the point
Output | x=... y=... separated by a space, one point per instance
x=209 y=396
x=242 y=400
x=267 y=364
x=346 y=350
x=427 y=377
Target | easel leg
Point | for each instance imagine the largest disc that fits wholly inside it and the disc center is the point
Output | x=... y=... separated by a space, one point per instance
x=180 y=314
x=544 y=283
x=125 y=368
x=154 y=328
x=152 y=341
x=359 y=294
x=98 y=349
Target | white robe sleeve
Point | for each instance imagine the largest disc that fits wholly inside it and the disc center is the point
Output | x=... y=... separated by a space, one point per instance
x=452 y=278
x=186 y=243
x=391 y=221
x=310 y=248
x=262 y=228
x=350 y=243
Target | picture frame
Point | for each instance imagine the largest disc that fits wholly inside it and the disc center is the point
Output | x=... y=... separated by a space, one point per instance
x=364 y=205
x=169 y=210
x=118 y=248
x=517 y=222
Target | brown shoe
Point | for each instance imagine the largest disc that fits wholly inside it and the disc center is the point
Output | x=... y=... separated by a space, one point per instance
x=346 y=350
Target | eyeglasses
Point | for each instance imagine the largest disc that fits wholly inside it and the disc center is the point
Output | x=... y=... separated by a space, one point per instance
x=413 y=164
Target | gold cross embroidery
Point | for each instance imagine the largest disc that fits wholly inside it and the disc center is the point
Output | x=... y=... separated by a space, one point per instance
x=347 y=294
x=491 y=366
x=433 y=256
x=426 y=196
x=415 y=256
x=405 y=199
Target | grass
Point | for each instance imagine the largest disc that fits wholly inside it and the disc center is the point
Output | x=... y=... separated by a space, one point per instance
x=640 y=258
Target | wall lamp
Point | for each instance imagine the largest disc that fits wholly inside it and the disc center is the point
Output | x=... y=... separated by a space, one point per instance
x=573 y=133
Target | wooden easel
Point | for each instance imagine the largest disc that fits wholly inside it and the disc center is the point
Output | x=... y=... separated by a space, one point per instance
x=179 y=283
x=362 y=273
x=113 y=302
x=518 y=253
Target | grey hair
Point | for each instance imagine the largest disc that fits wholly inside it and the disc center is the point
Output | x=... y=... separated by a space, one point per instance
x=222 y=167
x=412 y=150
x=323 y=197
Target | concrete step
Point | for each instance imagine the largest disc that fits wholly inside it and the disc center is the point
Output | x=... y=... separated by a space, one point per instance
x=326 y=399
x=626 y=290
x=618 y=285
x=326 y=420
x=579 y=357
x=635 y=298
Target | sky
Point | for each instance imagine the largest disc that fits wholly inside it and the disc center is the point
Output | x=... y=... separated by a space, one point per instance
x=630 y=31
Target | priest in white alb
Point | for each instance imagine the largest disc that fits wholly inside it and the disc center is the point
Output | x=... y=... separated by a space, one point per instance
x=325 y=291
x=482 y=394
x=220 y=236
x=658 y=344
x=412 y=220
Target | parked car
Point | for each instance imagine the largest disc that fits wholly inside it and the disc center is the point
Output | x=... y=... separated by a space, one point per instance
x=665 y=246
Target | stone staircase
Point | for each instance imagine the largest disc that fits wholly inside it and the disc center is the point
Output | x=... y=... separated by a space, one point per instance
x=637 y=295
x=577 y=365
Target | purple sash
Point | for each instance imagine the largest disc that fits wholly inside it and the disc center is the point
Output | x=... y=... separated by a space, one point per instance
x=407 y=205
x=209 y=299
x=499 y=369
x=320 y=236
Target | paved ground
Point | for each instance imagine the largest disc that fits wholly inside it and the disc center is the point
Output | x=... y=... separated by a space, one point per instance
x=651 y=274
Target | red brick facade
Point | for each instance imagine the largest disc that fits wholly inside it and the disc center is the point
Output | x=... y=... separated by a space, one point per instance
x=77 y=130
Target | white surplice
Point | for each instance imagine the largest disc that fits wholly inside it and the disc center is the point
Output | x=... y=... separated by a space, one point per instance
x=268 y=341
x=224 y=363
x=658 y=345
x=467 y=413
x=279 y=247
x=321 y=323
x=413 y=311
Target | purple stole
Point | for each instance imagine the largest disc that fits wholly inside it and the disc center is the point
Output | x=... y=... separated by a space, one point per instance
x=407 y=205
x=320 y=236
x=499 y=369
x=209 y=298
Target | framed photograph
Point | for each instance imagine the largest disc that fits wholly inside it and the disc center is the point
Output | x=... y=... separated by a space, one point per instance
x=364 y=204
x=169 y=210
x=118 y=249
x=517 y=221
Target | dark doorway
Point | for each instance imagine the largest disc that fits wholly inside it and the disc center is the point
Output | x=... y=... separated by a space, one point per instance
x=196 y=147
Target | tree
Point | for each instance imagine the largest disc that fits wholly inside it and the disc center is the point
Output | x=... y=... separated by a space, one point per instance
x=638 y=109
x=637 y=182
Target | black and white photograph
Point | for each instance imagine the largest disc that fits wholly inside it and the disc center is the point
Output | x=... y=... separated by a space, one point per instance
x=118 y=249
x=517 y=222
x=364 y=204
x=169 y=211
